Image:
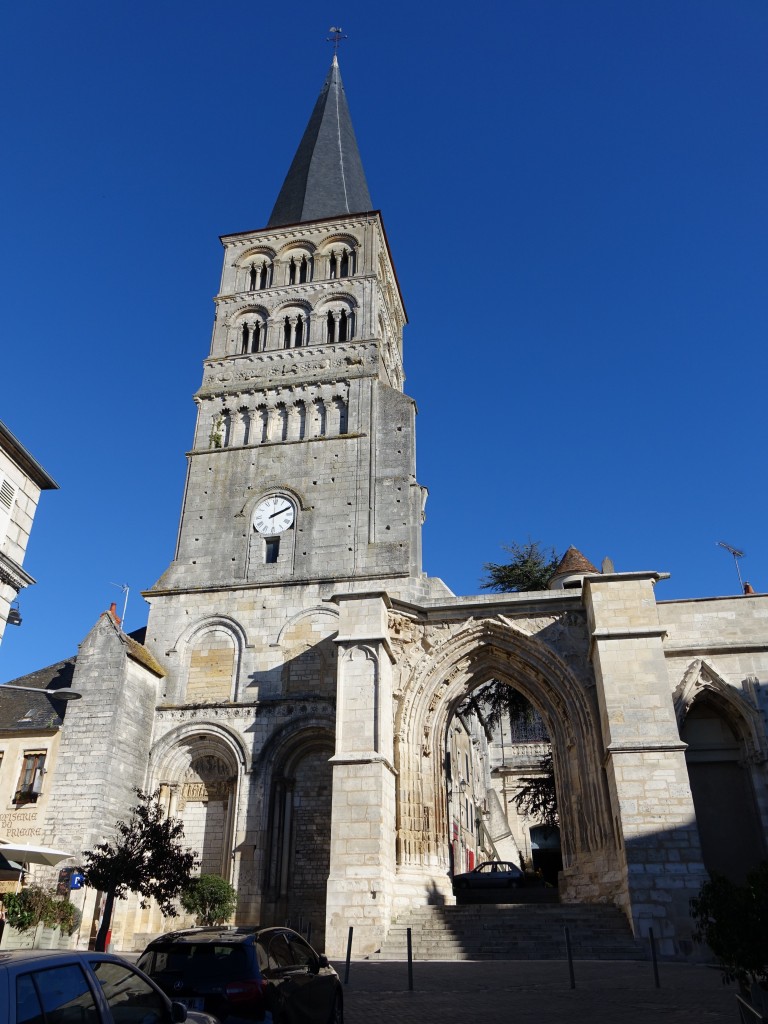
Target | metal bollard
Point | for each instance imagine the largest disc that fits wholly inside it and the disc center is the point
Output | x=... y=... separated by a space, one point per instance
x=652 y=941
x=569 y=953
x=410 y=962
x=349 y=955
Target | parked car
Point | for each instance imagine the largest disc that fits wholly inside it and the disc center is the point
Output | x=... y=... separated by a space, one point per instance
x=246 y=974
x=39 y=985
x=492 y=874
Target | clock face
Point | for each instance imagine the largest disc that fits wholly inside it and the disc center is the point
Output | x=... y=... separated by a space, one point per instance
x=273 y=515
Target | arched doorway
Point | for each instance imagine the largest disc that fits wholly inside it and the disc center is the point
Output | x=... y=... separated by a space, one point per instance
x=494 y=650
x=723 y=795
x=299 y=833
x=198 y=780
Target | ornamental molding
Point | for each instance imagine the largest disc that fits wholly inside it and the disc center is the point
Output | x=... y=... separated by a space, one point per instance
x=12 y=575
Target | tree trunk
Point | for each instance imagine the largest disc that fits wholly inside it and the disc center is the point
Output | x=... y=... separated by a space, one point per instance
x=106 y=921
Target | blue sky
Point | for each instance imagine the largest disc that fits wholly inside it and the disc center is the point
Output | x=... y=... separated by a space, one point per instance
x=575 y=195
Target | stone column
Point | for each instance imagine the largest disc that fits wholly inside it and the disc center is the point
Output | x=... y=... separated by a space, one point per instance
x=652 y=807
x=363 y=815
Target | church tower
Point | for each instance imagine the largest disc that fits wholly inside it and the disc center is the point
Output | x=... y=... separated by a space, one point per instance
x=302 y=470
x=301 y=491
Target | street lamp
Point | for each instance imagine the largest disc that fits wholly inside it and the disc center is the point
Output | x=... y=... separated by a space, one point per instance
x=62 y=693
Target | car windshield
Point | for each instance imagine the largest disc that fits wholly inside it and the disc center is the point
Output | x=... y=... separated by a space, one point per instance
x=193 y=962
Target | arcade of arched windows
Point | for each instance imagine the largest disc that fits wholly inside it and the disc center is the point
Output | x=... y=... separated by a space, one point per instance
x=298 y=415
x=336 y=261
x=291 y=327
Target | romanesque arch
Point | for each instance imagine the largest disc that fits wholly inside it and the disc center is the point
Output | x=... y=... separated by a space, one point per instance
x=476 y=653
x=197 y=769
x=297 y=825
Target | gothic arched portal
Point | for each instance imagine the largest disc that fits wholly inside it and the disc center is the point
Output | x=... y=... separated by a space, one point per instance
x=480 y=652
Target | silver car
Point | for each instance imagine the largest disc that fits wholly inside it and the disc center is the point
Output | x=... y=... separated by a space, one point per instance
x=68 y=987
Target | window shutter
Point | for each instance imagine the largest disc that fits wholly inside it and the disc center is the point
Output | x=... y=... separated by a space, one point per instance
x=7 y=498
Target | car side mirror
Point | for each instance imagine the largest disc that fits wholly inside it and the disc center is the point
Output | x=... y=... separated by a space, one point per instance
x=322 y=960
x=178 y=1013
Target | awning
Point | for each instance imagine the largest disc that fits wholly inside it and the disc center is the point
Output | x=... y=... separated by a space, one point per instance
x=34 y=854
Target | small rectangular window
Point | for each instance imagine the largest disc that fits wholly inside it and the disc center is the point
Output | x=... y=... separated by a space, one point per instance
x=31 y=777
x=271 y=549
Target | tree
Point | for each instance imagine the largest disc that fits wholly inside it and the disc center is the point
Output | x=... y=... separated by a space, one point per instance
x=536 y=798
x=145 y=857
x=211 y=898
x=531 y=567
x=733 y=921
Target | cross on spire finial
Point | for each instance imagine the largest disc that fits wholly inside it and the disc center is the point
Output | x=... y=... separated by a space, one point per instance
x=337 y=34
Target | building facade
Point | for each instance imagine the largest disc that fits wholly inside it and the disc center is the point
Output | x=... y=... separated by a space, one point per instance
x=293 y=695
x=22 y=479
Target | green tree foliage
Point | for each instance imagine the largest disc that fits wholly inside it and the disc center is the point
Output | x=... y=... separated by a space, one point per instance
x=211 y=898
x=530 y=567
x=536 y=798
x=145 y=857
x=497 y=700
x=27 y=908
x=733 y=921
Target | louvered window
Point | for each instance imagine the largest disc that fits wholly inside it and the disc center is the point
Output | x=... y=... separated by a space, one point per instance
x=7 y=498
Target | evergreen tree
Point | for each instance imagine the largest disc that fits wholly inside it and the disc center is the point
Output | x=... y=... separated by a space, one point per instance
x=531 y=567
x=145 y=857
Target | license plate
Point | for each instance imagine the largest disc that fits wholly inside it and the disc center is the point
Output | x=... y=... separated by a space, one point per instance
x=193 y=1003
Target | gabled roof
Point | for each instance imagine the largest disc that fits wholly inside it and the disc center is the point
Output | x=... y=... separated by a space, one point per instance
x=25 y=711
x=326 y=178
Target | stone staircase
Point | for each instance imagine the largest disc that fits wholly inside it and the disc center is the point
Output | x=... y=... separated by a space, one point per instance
x=513 y=932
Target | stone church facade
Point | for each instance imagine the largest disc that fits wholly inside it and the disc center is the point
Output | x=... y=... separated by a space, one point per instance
x=293 y=691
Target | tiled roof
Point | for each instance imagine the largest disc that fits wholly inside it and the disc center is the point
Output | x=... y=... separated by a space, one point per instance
x=326 y=178
x=24 y=711
x=573 y=561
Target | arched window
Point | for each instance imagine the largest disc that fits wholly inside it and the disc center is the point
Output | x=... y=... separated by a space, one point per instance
x=259 y=275
x=295 y=331
x=253 y=336
x=299 y=269
x=339 y=325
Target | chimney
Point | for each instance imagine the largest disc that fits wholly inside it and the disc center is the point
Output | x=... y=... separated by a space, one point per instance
x=113 y=614
x=749 y=589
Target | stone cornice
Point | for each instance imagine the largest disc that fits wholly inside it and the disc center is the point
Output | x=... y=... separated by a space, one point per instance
x=12 y=575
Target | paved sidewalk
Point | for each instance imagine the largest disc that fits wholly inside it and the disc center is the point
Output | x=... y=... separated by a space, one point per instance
x=534 y=992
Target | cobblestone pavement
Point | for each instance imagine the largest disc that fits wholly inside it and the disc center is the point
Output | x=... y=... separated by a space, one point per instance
x=532 y=992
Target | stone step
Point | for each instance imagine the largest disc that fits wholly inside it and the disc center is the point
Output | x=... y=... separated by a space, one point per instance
x=517 y=932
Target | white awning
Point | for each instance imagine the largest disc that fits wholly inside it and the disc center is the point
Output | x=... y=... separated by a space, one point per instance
x=34 y=854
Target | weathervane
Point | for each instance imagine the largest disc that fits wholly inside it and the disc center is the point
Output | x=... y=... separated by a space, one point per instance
x=337 y=34
x=736 y=556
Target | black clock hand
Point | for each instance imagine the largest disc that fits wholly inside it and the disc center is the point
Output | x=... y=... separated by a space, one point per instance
x=279 y=512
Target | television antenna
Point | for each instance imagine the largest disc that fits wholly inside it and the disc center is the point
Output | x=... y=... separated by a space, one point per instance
x=736 y=556
x=126 y=590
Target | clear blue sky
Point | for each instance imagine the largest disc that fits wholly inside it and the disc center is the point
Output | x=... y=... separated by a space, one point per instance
x=575 y=194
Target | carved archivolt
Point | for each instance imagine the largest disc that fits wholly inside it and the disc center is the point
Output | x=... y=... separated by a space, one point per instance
x=701 y=679
x=448 y=661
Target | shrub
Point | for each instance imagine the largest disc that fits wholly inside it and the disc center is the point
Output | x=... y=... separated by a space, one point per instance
x=27 y=908
x=211 y=898
x=733 y=921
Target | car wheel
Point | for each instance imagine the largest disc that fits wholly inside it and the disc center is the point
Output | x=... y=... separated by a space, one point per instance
x=337 y=1013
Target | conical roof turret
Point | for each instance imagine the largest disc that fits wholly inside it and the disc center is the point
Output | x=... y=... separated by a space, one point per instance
x=326 y=178
x=571 y=571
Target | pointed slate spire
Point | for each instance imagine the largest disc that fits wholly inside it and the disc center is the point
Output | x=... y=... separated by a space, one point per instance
x=326 y=178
